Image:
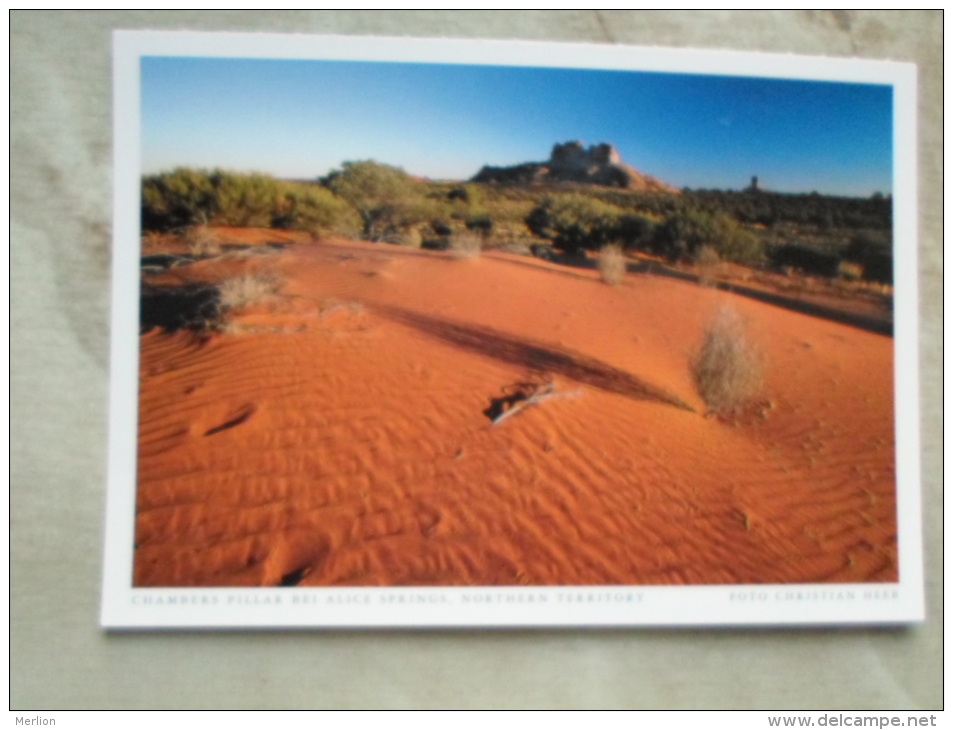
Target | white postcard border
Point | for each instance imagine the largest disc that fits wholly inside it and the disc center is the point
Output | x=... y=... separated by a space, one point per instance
x=125 y=607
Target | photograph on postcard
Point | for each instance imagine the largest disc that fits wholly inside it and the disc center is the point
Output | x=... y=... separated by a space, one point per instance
x=416 y=322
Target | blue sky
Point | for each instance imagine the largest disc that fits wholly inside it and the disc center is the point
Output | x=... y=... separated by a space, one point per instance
x=301 y=119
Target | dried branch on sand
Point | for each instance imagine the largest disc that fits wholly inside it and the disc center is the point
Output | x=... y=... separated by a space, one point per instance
x=527 y=394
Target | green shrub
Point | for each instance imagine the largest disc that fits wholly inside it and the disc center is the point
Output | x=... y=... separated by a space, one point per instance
x=441 y=227
x=202 y=242
x=315 y=209
x=635 y=231
x=177 y=199
x=417 y=210
x=737 y=244
x=382 y=195
x=482 y=224
x=682 y=233
x=185 y=199
x=470 y=194
x=575 y=222
x=243 y=200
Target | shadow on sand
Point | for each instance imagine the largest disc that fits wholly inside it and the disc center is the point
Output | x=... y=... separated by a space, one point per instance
x=178 y=307
x=870 y=323
x=877 y=325
x=534 y=356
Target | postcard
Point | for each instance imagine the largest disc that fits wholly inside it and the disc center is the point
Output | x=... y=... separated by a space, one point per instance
x=471 y=333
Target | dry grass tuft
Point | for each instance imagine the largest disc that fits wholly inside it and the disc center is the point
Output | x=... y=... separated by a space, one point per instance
x=245 y=290
x=728 y=366
x=708 y=263
x=202 y=241
x=411 y=238
x=612 y=264
x=466 y=245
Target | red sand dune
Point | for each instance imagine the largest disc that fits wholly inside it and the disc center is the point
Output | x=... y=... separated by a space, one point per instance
x=338 y=434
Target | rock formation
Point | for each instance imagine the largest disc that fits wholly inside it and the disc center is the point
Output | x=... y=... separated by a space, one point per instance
x=599 y=164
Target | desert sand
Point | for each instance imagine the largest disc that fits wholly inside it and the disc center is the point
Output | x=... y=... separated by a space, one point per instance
x=340 y=432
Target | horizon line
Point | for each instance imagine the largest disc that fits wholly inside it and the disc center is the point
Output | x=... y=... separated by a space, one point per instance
x=316 y=179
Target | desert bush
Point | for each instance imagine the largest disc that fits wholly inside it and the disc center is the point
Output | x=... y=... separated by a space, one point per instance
x=381 y=195
x=805 y=258
x=574 y=222
x=243 y=200
x=708 y=261
x=635 y=231
x=768 y=208
x=417 y=210
x=682 y=233
x=466 y=245
x=177 y=199
x=315 y=209
x=191 y=306
x=612 y=264
x=727 y=366
x=441 y=227
x=737 y=244
x=511 y=232
x=865 y=243
x=460 y=193
x=186 y=198
x=482 y=224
